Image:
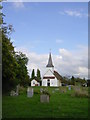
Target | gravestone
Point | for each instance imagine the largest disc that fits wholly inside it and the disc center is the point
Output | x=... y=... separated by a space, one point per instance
x=41 y=90
x=29 y=92
x=69 y=87
x=15 y=93
x=17 y=90
x=44 y=98
x=12 y=93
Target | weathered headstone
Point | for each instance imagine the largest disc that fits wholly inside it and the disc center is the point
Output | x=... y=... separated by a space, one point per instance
x=17 y=90
x=29 y=92
x=44 y=98
x=69 y=87
x=12 y=93
x=15 y=93
x=41 y=90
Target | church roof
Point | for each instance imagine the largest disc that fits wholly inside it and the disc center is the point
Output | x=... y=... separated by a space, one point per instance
x=58 y=76
x=50 y=64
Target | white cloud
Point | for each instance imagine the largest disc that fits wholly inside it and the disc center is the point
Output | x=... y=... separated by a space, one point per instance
x=66 y=63
x=18 y=4
x=75 y=13
x=59 y=41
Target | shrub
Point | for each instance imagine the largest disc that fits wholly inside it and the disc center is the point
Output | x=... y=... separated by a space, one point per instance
x=22 y=90
x=63 y=89
x=78 y=92
x=45 y=91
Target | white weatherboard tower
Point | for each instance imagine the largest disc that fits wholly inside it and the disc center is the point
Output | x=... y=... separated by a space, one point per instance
x=51 y=77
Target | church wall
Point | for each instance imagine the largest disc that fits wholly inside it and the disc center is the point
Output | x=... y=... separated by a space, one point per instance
x=48 y=73
x=52 y=69
x=53 y=82
x=44 y=82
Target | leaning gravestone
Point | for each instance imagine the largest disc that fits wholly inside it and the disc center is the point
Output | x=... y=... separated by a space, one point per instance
x=29 y=92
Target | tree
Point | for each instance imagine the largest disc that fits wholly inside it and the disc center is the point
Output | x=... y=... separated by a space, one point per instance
x=9 y=64
x=14 y=65
x=73 y=80
x=33 y=74
x=38 y=75
x=22 y=72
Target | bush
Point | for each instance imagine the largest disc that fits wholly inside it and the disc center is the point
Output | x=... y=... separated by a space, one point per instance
x=63 y=89
x=45 y=92
x=22 y=89
x=78 y=92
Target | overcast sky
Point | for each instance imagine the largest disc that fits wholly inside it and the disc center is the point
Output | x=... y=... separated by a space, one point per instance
x=61 y=27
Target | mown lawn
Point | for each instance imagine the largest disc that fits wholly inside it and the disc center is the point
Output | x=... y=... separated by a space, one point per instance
x=61 y=105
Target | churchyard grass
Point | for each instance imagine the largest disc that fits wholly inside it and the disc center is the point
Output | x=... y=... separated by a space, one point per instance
x=62 y=105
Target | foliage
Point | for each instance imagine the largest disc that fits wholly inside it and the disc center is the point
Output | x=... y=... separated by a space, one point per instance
x=78 y=92
x=33 y=74
x=38 y=75
x=45 y=91
x=9 y=64
x=74 y=81
x=22 y=72
x=63 y=89
x=14 y=65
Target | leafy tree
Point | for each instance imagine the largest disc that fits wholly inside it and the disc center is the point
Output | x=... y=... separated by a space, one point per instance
x=38 y=75
x=14 y=65
x=22 y=72
x=72 y=80
x=8 y=64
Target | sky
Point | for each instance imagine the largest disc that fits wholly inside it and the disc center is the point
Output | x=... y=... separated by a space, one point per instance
x=61 y=27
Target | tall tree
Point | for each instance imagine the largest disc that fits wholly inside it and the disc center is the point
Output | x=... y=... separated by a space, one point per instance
x=73 y=80
x=22 y=72
x=33 y=74
x=38 y=75
x=14 y=66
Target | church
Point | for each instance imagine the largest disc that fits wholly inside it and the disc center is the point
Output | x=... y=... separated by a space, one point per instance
x=51 y=77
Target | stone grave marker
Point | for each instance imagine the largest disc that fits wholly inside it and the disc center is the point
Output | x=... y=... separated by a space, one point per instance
x=69 y=87
x=44 y=98
x=15 y=93
x=41 y=90
x=17 y=90
x=29 y=92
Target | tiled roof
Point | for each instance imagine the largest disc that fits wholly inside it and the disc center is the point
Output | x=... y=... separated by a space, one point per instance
x=58 y=76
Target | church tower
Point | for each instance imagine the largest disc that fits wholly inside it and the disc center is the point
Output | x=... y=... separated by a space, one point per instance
x=51 y=77
x=50 y=65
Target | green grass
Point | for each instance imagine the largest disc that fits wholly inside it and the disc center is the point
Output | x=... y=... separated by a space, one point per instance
x=61 y=105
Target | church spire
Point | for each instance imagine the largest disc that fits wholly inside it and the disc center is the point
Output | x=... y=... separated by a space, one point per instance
x=50 y=64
